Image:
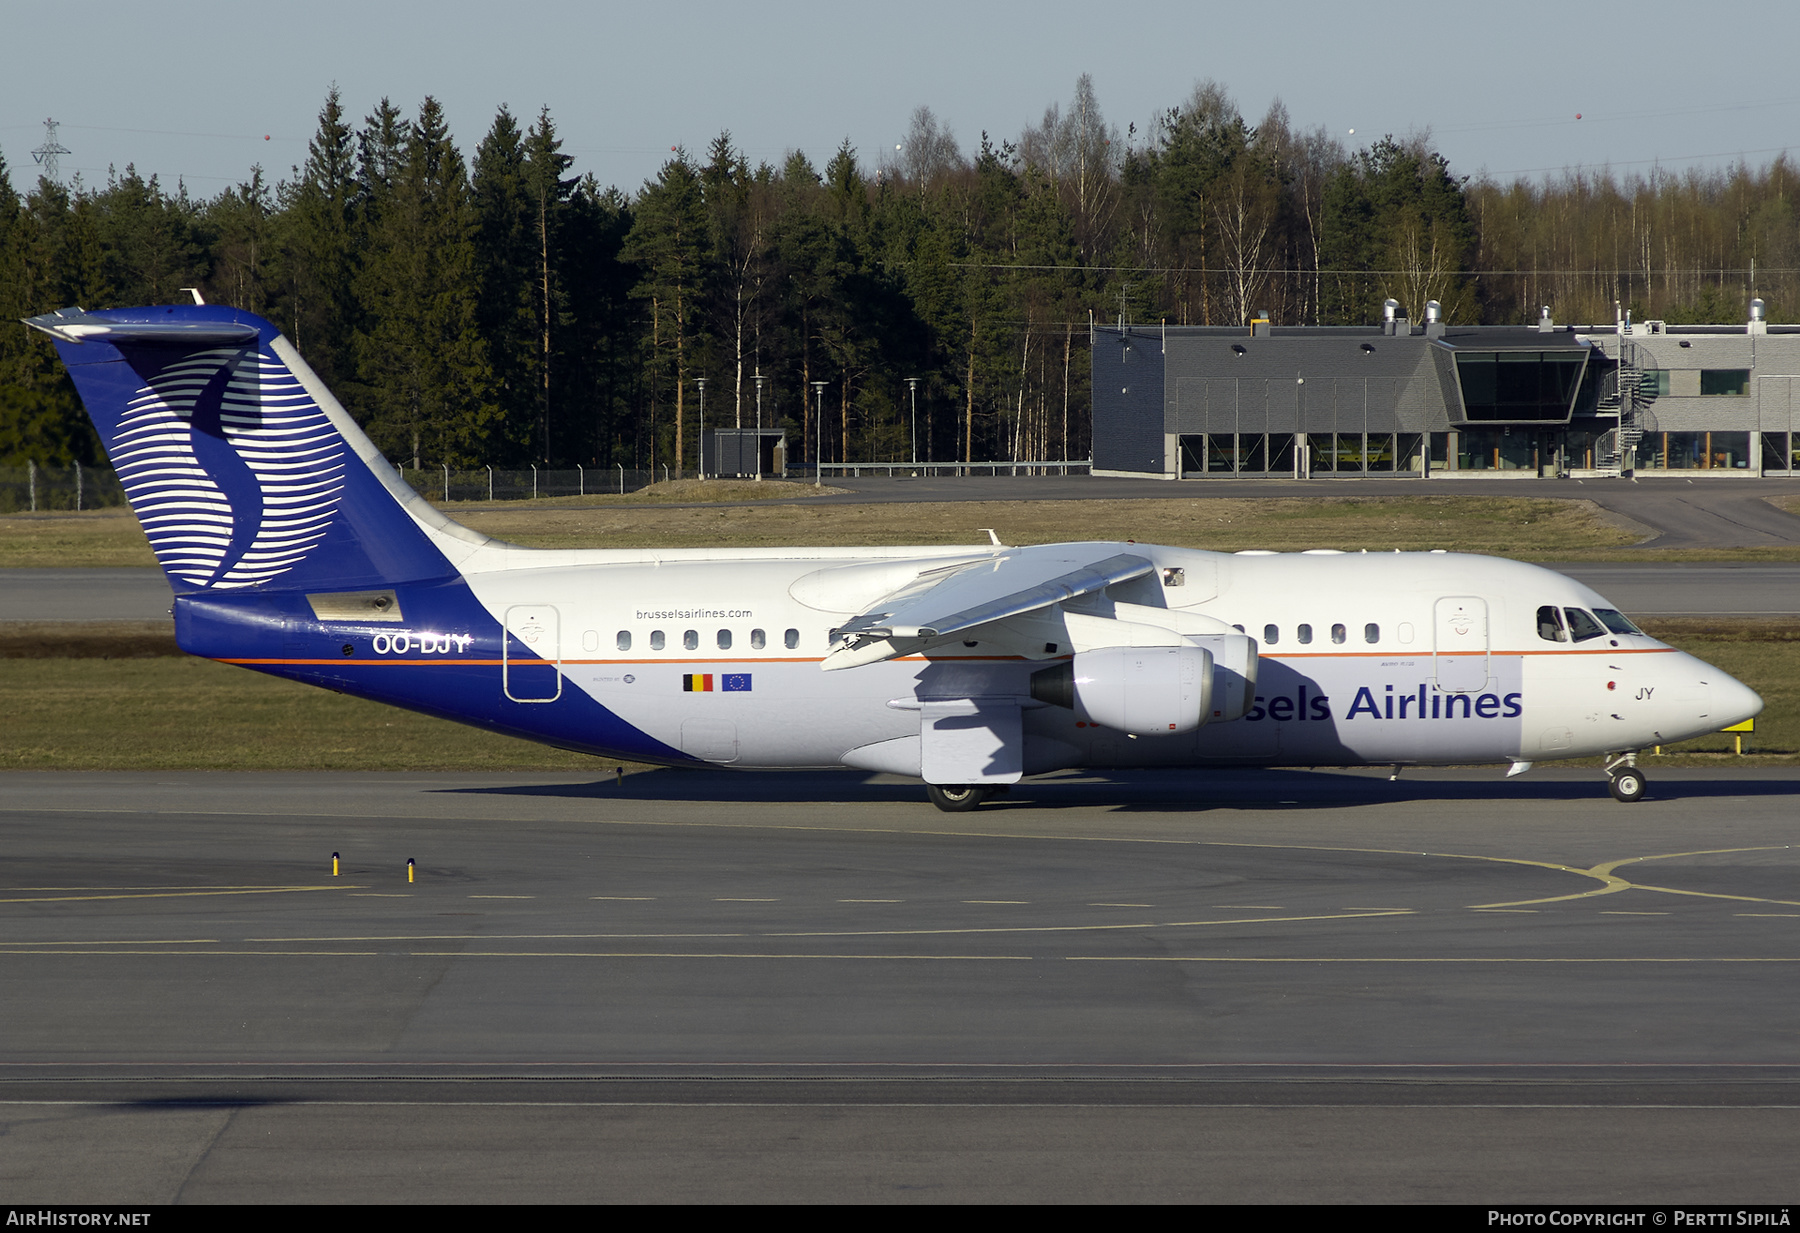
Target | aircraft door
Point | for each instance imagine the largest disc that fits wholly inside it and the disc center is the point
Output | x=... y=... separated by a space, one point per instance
x=1461 y=644
x=531 y=654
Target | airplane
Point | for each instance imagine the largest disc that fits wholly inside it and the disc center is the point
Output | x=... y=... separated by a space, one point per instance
x=295 y=549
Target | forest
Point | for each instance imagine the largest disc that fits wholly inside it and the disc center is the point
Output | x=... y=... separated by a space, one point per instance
x=494 y=308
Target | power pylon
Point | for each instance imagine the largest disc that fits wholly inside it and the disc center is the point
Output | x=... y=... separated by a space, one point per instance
x=46 y=154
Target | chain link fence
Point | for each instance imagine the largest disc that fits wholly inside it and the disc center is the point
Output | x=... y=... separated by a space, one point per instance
x=35 y=488
x=31 y=487
x=509 y=484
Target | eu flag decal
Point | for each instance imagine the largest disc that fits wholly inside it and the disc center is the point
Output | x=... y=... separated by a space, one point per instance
x=698 y=683
x=735 y=682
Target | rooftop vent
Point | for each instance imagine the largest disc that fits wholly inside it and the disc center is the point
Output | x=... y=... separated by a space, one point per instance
x=1392 y=320
x=1758 y=322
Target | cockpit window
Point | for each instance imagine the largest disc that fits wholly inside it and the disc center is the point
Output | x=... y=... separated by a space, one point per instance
x=1550 y=624
x=1583 y=626
x=1616 y=621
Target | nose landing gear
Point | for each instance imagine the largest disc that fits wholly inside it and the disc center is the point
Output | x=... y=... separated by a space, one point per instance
x=1626 y=782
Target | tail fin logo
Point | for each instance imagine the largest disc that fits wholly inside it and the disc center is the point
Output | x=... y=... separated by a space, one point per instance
x=231 y=466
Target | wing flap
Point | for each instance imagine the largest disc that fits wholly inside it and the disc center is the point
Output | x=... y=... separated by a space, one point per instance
x=945 y=603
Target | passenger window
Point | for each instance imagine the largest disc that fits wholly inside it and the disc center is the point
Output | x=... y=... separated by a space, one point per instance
x=1583 y=626
x=1550 y=624
x=1271 y=634
x=724 y=639
x=690 y=641
x=757 y=640
x=1371 y=633
x=1239 y=628
x=1616 y=621
x=590 y=640
x=791 y=639
x=656 y=640
x=1339 y=634
x=624 y=641
x=1303 y=634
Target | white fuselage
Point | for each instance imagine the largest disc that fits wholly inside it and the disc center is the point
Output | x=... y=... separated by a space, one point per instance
x=1412 y=658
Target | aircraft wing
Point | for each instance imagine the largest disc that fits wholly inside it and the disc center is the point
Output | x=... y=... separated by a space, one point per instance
x=943 y=603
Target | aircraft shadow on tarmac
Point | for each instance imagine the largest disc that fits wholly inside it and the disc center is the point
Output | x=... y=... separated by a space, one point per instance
x=1147 y=790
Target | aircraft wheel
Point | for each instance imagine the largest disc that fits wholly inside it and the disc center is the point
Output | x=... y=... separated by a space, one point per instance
x=1628 y=785
x=955 y=797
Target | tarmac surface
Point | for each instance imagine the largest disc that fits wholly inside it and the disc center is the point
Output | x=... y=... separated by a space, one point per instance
x=1240 y=986
x=721 y=987
x=1727 y=512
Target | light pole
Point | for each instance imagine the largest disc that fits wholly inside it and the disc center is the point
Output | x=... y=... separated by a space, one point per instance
x=701 y=382
x=759 y=384
x=912 y=386
x=819 y=434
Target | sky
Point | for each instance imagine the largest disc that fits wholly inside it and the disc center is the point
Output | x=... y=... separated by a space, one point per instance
x=199 y=92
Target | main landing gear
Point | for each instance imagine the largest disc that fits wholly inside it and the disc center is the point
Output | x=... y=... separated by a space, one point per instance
x=959 y=797
x=1626 y=782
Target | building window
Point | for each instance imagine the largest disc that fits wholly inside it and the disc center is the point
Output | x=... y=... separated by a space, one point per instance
x=1519 y=385
x=1731 y=382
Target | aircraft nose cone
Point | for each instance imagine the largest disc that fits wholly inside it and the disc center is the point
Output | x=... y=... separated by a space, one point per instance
x=1733 y=701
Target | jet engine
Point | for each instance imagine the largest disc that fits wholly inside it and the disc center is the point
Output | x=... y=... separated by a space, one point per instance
x=1155 y=690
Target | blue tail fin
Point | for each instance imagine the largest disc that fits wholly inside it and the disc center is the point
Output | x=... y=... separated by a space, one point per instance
x=243 y=469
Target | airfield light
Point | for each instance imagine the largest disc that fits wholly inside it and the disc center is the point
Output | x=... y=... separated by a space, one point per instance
x=819 y=434
x=912 y=386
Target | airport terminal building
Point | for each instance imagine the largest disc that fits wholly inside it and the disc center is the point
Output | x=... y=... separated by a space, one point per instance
x=1443 y=401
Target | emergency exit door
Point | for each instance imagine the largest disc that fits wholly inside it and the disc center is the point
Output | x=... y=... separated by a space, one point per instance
x=1462 y=644
x=531 y=654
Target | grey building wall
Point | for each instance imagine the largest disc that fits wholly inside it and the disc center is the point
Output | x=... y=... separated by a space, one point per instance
x=1128 y=379
x=1773 y=360
x=1169 y=397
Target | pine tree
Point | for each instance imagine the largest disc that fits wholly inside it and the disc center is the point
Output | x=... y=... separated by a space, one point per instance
x=322 y=234
x=504 y=261
x=547 y=193
x=670 y=243
x=242 y=244
x=423 y=367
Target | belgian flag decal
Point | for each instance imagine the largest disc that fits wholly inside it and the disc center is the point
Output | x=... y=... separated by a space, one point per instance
x=706 y=683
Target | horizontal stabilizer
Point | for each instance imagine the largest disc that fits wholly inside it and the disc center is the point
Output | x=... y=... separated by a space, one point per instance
x=74 y=325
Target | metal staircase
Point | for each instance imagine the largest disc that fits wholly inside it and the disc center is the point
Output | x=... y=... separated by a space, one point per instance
x=1622 y=393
